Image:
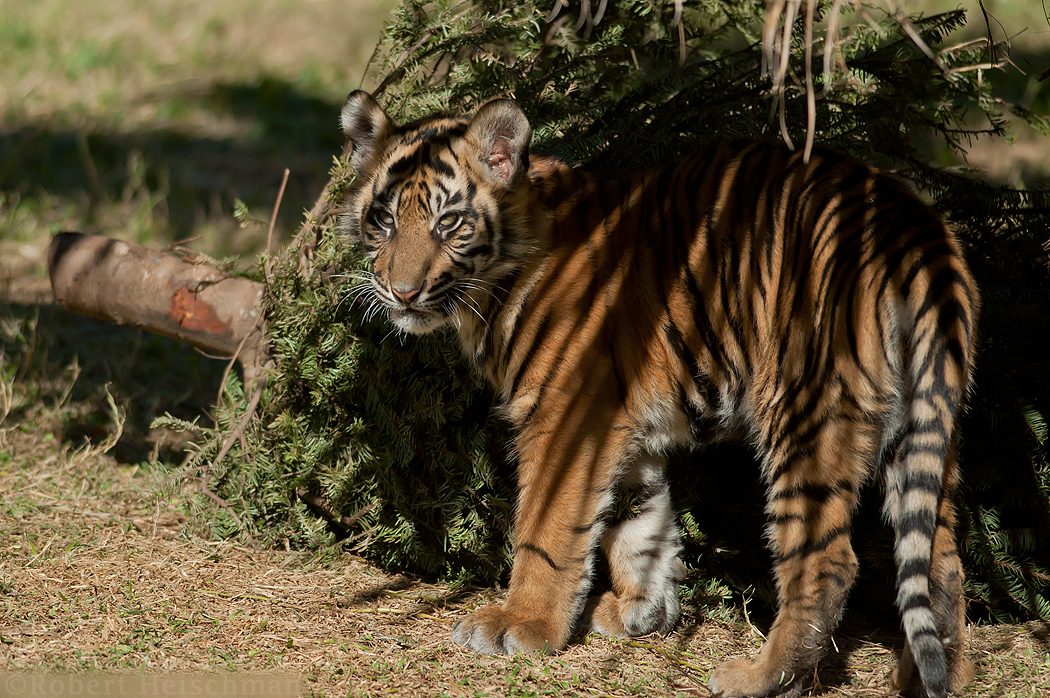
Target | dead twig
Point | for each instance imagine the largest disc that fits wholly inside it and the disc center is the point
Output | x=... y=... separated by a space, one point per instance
x=321 y=505
x=268 y=267
x=238 y=432
x=229 y=509
x=778 y=28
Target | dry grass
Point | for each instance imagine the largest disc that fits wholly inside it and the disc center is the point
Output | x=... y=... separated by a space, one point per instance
x=98 y=575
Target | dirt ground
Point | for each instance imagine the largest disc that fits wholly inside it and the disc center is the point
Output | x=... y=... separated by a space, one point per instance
x=101 y=578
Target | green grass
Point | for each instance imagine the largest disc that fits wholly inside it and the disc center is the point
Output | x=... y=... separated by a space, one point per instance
x=148 y=120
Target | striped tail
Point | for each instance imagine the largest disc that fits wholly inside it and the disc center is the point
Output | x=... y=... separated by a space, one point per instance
x=938 y=371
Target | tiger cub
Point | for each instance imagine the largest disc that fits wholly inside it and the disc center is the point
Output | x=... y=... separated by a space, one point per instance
x=818 y=310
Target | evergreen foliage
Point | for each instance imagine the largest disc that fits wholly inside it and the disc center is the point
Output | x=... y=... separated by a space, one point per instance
x=390 y=444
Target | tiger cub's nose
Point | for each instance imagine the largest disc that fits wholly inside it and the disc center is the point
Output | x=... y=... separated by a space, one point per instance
x=405 y=294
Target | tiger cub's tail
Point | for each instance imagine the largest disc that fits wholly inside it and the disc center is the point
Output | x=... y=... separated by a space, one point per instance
x=942 y=303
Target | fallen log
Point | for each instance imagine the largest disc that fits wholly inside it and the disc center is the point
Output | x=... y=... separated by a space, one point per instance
x=160 y=292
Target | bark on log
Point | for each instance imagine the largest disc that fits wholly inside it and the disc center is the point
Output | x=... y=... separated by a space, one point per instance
x=135 y=286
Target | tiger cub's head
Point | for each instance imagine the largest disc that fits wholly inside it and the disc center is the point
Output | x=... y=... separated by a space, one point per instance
x=440 y=207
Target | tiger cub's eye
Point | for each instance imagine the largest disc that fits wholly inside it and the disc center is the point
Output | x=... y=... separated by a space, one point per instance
x=448 y=222
x=384 y=219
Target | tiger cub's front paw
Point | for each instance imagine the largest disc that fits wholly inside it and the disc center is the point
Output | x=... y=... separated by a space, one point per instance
x=740 y=678
x=633 y=616
x=493 y=630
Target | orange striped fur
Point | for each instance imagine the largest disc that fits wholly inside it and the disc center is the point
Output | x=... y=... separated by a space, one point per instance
x=818 y=310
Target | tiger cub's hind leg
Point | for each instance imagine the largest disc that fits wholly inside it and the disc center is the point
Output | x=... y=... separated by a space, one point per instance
x=642 y=552
x=811 y=498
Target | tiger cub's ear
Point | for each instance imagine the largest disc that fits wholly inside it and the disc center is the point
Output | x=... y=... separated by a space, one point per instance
x=365 y=124
x=502 y=134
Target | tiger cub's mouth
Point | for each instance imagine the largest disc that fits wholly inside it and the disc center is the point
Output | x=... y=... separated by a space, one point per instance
x=415 y=319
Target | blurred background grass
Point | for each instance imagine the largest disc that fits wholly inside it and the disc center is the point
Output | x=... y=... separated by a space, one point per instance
x=1025 y=81
x=147 y=120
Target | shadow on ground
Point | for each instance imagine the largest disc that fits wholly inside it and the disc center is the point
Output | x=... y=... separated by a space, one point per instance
x=188 y=180
x=277 y=126
x=65 y=364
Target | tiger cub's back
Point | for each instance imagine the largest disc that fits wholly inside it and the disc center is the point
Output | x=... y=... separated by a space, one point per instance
x=819 y=310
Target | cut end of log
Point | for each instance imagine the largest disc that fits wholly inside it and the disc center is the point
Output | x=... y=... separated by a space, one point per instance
x=160 y=292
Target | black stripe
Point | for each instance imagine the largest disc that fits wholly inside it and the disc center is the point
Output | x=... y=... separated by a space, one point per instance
x=403 y=165
x=817 y=492
x=501 y=640
x=509 y=340
x=649 y=490
x=535 y=404
x=939 y=450
x=810 y=547
x=927 y=482
x=441 y=167
x=538 y=340
x=792 y=430
x=710 y=340
x=496 y=306
x=488 y=221
x=538 y=551
x=442 y=189
x=931 y=253
x=940 y=283
x=477 y=251
x=678 y=346
x=835 y=578
x=926 y=633
x=728 y=269
x=913 y=567
x=915 y=601
x=650 y=553
x=924 y=522
x=926 y=428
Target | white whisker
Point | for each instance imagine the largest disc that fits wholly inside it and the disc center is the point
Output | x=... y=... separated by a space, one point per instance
x=355 y=274
x=355 y=294
x=481 y=285
x=374 y=308
x=470 y=303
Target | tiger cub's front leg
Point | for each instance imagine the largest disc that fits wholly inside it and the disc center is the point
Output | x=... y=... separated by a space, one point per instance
x=643 y=564
x=566 y=480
